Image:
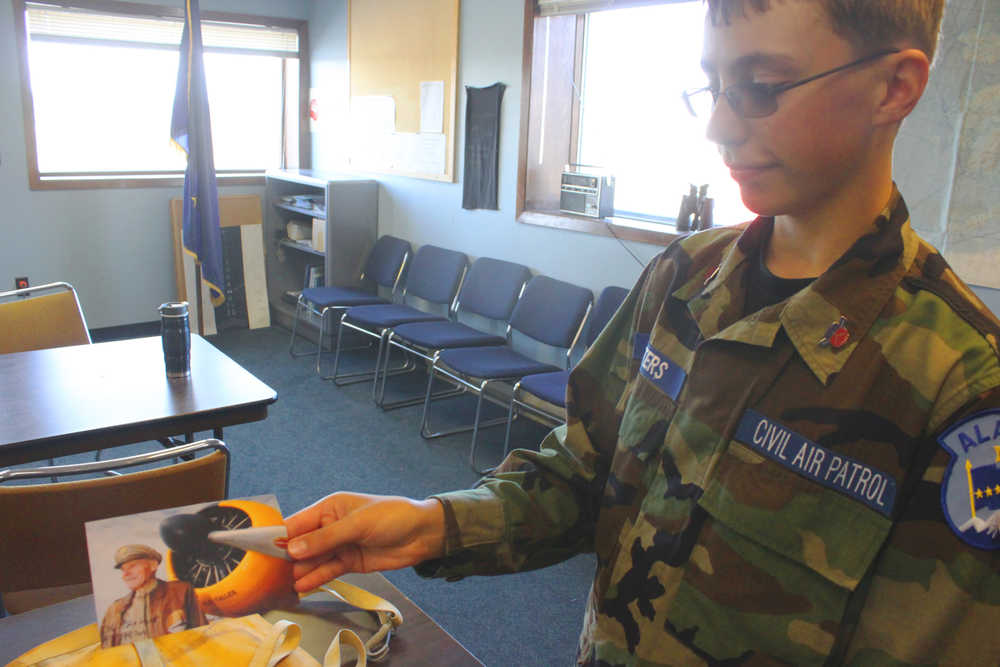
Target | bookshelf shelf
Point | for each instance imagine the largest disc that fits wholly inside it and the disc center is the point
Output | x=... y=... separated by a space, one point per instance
x=295 y=245
x=351 y=217
x=308 y=212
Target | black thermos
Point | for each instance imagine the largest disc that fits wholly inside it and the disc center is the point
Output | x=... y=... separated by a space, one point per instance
x=176 y=334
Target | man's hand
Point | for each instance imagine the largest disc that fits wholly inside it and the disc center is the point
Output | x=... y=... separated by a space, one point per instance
x=353 y=532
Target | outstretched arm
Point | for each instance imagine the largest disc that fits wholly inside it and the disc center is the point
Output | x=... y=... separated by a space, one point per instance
x=354 y=532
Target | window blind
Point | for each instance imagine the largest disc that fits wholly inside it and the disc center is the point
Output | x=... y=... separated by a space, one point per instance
x=51 y=22
x=558 y=7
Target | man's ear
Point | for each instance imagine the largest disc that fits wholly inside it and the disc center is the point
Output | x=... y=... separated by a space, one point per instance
x=906 y=78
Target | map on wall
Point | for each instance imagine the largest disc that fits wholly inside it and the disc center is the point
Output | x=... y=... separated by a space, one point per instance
x=948 y=153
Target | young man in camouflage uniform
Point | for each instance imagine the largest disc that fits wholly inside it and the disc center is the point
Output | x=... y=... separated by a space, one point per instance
x=784 y=446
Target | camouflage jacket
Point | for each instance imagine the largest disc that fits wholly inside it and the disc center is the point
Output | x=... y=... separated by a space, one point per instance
x=771 y=488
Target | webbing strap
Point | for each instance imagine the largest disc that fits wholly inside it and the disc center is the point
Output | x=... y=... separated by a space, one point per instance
x=280 y=641
x=284 y=636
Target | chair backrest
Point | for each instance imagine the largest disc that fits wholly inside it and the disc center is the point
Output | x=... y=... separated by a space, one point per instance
x=492 y=287
x=36 y=318
x=551 y=311
x=608 y=301
x=387 y=261
x=44 y=543
x=435 y=274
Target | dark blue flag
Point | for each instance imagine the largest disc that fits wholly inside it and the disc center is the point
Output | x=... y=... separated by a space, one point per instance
x=984 y=487
x=191 y=129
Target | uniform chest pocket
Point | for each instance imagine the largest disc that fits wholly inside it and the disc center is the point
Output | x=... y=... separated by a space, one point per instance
x=794 y=548
x=652 y=400
x=797 y=517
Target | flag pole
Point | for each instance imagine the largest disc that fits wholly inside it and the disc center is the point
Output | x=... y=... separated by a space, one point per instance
x=197 y=285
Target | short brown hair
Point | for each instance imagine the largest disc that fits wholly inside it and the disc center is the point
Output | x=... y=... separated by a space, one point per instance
x=869 y=25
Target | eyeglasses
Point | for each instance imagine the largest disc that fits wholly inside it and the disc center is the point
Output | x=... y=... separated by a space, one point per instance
x=757 y=100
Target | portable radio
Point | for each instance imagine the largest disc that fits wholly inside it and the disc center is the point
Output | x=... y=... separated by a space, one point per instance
x=591 y=195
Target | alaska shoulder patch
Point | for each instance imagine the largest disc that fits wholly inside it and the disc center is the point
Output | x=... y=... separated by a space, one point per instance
x=970 y=491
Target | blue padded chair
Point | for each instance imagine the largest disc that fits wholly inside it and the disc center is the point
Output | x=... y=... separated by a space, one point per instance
x=550 y=312
x=543 y=395
x=383 y=268
x=434 y=276
x=489 y=293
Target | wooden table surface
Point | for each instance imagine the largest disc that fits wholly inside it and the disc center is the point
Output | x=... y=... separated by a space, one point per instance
x=67 y=400
x=418 y=641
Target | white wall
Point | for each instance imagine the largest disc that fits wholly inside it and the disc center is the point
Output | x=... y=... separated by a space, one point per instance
x=114 y=245
x=431 y=212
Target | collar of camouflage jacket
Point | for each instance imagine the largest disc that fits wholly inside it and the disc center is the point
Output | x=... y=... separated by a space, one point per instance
x=850 y=293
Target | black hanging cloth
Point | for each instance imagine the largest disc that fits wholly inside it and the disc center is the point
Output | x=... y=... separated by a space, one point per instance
x=482 y=146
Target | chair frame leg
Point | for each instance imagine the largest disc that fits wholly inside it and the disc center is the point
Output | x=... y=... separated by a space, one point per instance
x=478 y=423
x=379 y=395
x=510 y=415
x=514 y=413
x=299 y=306
x=342 y=379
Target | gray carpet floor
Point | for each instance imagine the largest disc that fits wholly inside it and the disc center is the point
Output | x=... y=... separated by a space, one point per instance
x=319 y=438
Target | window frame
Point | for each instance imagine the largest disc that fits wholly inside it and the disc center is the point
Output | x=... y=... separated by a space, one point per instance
x=626 y=229
x=150 y=178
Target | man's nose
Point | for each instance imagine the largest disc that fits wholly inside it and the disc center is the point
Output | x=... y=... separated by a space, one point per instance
x=725 y=126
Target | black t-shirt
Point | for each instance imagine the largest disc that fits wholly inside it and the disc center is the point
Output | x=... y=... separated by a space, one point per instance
x=766 y=289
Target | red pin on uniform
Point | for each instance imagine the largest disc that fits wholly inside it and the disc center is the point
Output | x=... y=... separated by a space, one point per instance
x=836 y=335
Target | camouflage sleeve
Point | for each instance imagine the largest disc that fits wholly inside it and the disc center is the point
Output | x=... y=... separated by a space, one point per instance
x=540 y=507
x=933 y=596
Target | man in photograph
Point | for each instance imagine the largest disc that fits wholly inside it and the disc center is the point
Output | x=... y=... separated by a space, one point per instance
x=153 y=607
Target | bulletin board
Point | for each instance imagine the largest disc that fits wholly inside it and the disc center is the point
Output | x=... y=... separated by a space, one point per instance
x=403 y=77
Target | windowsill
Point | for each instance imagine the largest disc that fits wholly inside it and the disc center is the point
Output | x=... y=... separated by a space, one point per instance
x=152 y=180
x=626 y=229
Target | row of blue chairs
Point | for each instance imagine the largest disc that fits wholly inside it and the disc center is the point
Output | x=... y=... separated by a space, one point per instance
x=439 y=309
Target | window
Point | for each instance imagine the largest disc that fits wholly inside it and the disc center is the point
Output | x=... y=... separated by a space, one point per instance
x=99 y=88
x=605 y=92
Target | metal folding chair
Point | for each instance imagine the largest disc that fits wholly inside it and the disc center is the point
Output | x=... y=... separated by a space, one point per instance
x=37 y=318
x=44 y=557
x=550 y=312
x=488 y=294
x=543 y=395
x=433 y=279
x=384 y=269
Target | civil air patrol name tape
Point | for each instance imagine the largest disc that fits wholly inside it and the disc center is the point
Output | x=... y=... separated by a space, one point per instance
x=970 y=491
x=858 y=480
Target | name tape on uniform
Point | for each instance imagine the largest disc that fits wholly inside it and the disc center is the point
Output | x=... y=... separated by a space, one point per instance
x=784 y=446
x=668 y=376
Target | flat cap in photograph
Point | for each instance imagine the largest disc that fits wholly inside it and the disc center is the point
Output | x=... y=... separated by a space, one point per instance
x=129 y=552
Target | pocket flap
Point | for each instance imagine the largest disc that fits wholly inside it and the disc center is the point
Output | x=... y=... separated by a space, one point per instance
x=785 y=512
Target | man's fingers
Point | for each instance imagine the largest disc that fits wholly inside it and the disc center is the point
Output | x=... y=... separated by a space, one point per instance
x=321 y=574
x=326 y=539
x=305 y=520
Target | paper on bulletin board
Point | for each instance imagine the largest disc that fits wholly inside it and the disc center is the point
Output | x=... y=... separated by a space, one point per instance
x=431 y=107
x=422 y=153
x=373 y=115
